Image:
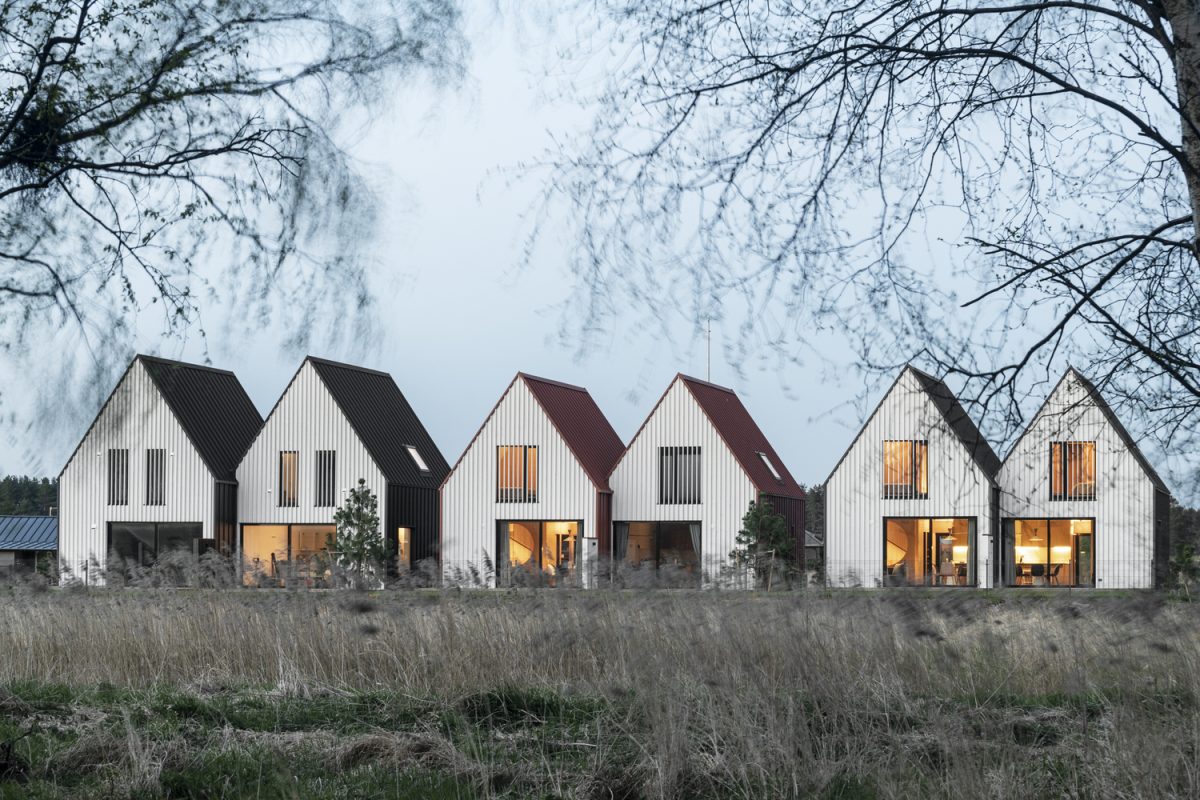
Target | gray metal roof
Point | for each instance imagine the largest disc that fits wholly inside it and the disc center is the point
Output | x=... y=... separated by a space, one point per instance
x=28 y=533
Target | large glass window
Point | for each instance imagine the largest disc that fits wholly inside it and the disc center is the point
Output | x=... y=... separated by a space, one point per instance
x=1050 y=552
x=673 y=547
x=289 y=478
x=905 y=469
x=545 y=549
x=929 y=551
x=678 y=475
x=143 y=543
x=277 y=554
x=1072 y=470
x=118 y=477
x=516 y=474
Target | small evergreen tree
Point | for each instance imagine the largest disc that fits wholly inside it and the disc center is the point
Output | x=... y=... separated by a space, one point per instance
x=764 y=544
x=359 y=546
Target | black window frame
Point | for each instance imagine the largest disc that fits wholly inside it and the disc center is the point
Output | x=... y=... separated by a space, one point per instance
x=1070 y=447
x=294 y=476
x=523 y=493
x=156 y=476
x=118 y=476
x=325 y=478
x=679 y=485
x=909 y=490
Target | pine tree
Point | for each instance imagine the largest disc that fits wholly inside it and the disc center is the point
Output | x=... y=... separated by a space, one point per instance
x=359 y=546
x=764 y=545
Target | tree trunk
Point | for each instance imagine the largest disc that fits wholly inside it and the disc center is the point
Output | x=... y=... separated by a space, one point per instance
x=1184 y=18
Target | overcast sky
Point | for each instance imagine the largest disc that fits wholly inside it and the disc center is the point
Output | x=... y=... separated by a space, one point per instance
x=459 y=312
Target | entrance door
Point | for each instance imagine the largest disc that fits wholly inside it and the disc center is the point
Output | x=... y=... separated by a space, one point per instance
x=1084 y=559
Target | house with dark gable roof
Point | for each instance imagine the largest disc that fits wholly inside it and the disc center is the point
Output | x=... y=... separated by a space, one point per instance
x=333 y=425
x=1080 y=504
x=686 y=480
x=530 y=495
x=156 y=470
x=27 y=543
x=914 y=499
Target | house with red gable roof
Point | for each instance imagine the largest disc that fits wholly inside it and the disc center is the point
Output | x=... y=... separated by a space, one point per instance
x=529 y=499
x=683 y=485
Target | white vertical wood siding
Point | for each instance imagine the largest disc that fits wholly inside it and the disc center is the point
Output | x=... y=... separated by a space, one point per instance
x=306 y=419
x=468 y=498
x=854 y=504
x=1124 y=504
x=137 y=418
x=725 y=489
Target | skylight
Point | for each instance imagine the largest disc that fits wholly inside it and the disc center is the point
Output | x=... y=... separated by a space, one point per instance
x=416 y=457
x=774 y=472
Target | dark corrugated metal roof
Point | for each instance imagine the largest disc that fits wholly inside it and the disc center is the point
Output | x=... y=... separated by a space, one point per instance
x=213 y=408
x=28 y=533
x=1109 y=414
x=959 y=421
x=582 y=425
x=956 y=417
x=384 y=421
x=743 y=436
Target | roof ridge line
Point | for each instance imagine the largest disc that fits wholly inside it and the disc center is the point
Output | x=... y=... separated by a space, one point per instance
x=346 y=365
x=188 y=364
x=553 y=382
x=706 y=383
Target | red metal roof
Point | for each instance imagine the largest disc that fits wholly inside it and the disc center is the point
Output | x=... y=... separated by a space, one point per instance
x=743 y=436
x=582 y=425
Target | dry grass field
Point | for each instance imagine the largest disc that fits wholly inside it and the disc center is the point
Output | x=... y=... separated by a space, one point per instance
x=193 y=693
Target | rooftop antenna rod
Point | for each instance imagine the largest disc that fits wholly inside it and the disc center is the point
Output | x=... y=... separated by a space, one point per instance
x=708 y=375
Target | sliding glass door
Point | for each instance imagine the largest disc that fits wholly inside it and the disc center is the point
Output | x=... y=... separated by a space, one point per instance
x=537 y=551
x=1050 y=552
x=670 y=548
x=929 y=551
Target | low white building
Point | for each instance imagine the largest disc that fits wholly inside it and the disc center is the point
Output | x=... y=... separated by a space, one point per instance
x=686 y=480
x=155 y=471
x=333 y=425
x=529 y=497
x=913 y=501
x=1080 y=504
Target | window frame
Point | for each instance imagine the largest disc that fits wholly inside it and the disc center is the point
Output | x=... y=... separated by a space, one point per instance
x=1068 y=448
x=770 y=465
x=293 y=476
x=324 y=478
x=117 y=476
x=156 y=467
x=679 y=490
x=417 y=458
x=917 y=485
x=525 y=493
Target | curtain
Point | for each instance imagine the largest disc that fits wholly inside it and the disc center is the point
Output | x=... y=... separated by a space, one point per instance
x=620 y=541
x=694 y=530
x=501 y=566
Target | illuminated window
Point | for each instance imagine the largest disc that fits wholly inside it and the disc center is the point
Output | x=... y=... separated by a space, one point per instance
x=905 y=469
x=289 y=471
x=770 y=467
x=415 y=455
x=404 y=547
x=678 y=475
x=1072 y=470
x=516 y=474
